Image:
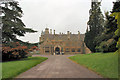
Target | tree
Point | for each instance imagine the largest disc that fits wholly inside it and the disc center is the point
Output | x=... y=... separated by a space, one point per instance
x=106 y=41
x=15 y=52
x=116 y=14
x=96 y=22
x=13 y=27
x=12 y=24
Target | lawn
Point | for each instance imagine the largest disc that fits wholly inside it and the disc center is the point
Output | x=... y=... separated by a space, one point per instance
x=105 y=64
x=13 y=68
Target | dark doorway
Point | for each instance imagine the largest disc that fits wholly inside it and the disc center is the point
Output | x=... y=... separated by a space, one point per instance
x=57 y=51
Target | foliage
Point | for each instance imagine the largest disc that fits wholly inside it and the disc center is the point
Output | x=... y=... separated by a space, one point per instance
x=107 y=46
x=29 y=45
x=13 y=68
x=14 y=52
x=116 y=14
x=33 y=48
x=106 y=41
x=96 y=22
x=112 y=28
x=104 y=64
x=12 y=24
x=13 y=27
x=103 y=47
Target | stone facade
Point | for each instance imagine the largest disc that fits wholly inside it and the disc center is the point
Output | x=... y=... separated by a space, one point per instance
x=54 y=44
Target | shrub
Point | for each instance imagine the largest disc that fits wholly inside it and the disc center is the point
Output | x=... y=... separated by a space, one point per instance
x=14 y=52
x=107 y=46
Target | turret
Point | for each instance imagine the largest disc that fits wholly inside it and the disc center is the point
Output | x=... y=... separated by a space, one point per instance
x=46 y=30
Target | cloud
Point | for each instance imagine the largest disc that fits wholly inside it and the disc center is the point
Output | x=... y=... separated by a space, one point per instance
x=61 y=15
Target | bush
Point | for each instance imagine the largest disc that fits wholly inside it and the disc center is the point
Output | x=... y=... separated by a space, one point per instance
x=14 y=52
x=107 y=46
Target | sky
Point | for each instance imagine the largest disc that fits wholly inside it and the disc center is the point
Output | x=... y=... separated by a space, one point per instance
x=59 y=15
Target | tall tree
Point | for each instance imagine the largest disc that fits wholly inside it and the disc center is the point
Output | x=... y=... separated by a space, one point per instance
x=106 y=41
x=96 y=22
x=13 y=27
x=12 y=23
x=116 y=14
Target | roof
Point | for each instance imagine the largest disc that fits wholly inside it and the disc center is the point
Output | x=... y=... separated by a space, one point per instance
x=73 y=37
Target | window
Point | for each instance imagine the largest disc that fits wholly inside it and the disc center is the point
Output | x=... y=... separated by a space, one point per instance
x=46 y=49
x=73 y=50
x=78 y=50
x=67 y=50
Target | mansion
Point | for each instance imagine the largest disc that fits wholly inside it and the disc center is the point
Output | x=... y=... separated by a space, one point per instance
x=59 y=44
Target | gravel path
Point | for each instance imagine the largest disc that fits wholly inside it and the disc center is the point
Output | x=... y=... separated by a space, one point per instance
x=58 y=66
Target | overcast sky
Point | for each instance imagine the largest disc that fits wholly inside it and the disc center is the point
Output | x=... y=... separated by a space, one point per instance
x=61 y=15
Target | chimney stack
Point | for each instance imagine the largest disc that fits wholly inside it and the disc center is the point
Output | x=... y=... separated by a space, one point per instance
x=68 y=32
x=54 y=31
x=46 y=30
x=78 y=32
x=50 y=31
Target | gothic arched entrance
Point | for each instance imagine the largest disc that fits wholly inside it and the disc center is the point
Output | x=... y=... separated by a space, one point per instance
x=57 y=51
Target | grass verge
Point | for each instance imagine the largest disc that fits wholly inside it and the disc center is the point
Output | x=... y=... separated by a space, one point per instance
x=105 y=64
x=13 y=68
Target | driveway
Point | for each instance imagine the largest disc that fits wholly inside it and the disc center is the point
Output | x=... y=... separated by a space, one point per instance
x=58 y=66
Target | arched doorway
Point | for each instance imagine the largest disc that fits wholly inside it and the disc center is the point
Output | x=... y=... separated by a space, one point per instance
x=57 y=51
